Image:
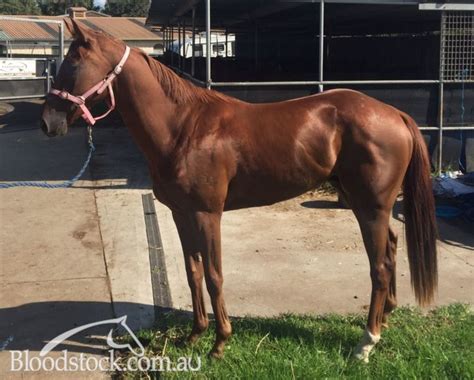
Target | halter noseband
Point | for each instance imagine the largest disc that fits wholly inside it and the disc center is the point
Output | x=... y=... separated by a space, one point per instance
x=99 y=88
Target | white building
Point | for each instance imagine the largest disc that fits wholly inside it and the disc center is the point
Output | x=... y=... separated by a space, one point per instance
x=218 y=46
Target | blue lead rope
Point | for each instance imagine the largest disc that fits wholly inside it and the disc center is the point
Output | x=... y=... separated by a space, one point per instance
x=61 y=185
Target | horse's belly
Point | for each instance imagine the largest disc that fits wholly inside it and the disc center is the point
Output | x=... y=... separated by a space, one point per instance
x=258 y=191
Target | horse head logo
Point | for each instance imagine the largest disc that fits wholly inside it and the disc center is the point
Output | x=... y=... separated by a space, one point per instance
x=139 y=350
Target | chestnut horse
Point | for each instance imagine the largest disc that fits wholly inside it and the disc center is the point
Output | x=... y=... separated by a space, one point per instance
x=208 y=153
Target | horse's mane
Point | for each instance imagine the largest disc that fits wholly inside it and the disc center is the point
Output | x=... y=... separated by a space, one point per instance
x=178 y=89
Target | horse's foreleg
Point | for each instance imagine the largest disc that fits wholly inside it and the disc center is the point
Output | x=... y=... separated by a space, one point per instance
x=391 y=261
x=194 y=270
x=374 y=227
x=209 y=225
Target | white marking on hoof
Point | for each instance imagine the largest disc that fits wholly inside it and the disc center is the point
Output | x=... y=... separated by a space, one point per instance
x=366 y=344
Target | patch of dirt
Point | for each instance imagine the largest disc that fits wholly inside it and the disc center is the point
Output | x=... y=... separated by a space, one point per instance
x=79 y=235
x=315 y=221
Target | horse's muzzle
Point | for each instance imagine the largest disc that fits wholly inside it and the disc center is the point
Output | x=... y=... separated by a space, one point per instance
x=46 y=130
x=53 y=123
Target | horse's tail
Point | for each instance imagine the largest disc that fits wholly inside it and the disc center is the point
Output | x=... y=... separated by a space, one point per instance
x=420 y=219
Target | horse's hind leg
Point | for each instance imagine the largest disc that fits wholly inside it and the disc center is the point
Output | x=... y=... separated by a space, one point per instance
x=374 y=226
x=391 y=259
x=372 y=202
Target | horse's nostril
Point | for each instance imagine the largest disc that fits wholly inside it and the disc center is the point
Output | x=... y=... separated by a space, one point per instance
x=44 y=126
x=45 y=129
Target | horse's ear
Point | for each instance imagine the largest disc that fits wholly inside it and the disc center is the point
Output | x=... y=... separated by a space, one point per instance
x=78 y=32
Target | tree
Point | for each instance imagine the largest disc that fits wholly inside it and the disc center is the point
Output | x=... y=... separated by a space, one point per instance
x=59 y=7
x=131 y=8
x=19 y=7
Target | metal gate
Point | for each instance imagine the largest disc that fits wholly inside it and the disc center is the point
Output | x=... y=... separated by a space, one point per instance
x=457 y=46
x=27 y=78
x=456 y=63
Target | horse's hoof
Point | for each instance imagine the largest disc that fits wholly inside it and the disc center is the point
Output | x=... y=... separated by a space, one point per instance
x=192 y=338
x=181 y=342
x=187 y=341
x=216 y=354
x=366 y=345
x=385 y=323
x=362 y=356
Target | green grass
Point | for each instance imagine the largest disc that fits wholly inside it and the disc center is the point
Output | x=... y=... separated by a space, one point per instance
x=438 y=345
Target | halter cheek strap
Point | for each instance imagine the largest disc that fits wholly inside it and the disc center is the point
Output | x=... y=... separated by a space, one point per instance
x=98 y=89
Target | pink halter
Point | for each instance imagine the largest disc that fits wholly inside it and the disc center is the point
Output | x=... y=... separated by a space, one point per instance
x=99 y=88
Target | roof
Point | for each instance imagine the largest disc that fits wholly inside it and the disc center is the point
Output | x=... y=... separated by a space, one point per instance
x=227 y=13
x=166 y=11
x=300 y=17
x=123 y=28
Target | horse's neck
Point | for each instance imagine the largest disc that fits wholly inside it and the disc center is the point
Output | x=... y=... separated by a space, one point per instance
x=147 y=112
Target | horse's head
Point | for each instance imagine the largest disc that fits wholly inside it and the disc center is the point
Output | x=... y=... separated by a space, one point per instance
x=84 y=66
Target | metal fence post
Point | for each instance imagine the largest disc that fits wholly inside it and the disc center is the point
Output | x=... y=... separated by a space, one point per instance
x=208 y=44
x=256 y=46
x=61 y=46
x=48 y=76
x=184 y=44
x=441 y=93
x=321 y=44
x=226 y=41
x=171 y=44
x=180 y=60
x=193 y=42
